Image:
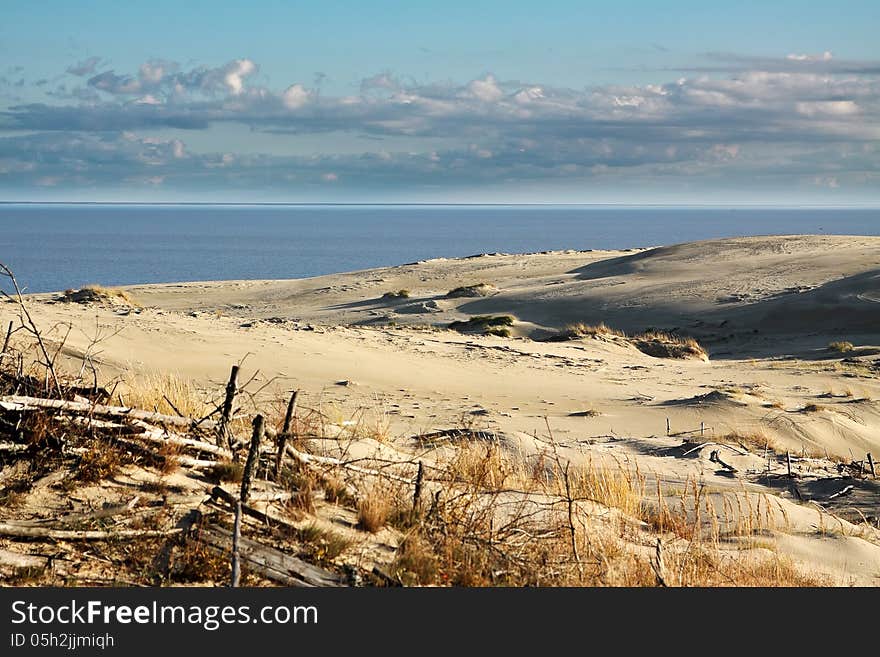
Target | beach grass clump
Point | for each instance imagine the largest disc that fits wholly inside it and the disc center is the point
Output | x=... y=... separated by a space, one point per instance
x=397 y=294
x=841 y=346
x=168 y=393
x=581 y=330
x=101 y=295
x=374 y=510
x=660 y=344
x=477 y=290
x=485 y=325
x=752 y=440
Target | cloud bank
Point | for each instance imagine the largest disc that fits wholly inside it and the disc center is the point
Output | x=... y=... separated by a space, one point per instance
x=801 y=121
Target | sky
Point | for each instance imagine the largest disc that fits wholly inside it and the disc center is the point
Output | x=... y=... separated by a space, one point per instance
x=630 y=102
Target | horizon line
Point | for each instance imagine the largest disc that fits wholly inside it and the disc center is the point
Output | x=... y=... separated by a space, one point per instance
x=449 y=204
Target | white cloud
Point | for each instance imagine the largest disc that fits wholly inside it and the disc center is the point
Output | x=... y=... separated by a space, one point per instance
x=235 y=73
x=295 y=96
x=486 y=90
x=824 y=57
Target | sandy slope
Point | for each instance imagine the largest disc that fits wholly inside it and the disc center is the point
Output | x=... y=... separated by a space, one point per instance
x=765 y=307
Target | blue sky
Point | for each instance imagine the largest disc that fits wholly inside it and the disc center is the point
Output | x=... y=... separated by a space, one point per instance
x=592 y=102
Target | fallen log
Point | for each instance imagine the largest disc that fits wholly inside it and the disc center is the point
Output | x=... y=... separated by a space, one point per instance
x=23 y=403
x=107 y=512
x=14 y=531
x=263 y=516
x=15 y=560
x=269 y=562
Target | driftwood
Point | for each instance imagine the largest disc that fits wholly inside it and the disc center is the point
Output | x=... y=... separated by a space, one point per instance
x=15 y=531
x=16 y=560
x=313 y=460
x=714 y=444
x=22 y=403
x=845 y=491
x=263 y=516
x=269 y=562
x=12 y=448
x=107 y=512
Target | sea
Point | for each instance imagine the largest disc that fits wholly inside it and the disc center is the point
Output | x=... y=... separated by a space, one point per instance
x=56 y=246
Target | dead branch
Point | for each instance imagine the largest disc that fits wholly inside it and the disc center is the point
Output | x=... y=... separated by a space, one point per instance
x=14 y=531
x=23 y=403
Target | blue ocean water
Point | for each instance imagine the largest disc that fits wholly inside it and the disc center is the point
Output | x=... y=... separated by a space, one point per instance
x=53 y=246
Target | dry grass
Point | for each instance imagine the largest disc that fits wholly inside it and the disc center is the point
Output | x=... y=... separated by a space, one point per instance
x=485 y=324
x=581 y=330
x=658 y=344
x=101 y=295
x=100 y=461
x=668 y=345
x=167 y=393
x=397 y=294
x=477 y=290
x=752 y=441
x=841 y=347
x=374 y=509
x=226 y=471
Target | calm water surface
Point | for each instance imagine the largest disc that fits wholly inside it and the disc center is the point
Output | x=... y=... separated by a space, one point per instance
x=53 y=247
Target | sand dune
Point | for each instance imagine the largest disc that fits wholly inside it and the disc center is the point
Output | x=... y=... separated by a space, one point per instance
x=766 y=309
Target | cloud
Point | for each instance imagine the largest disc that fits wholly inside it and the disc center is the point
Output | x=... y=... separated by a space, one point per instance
x=85 y=67
x=486 y=90
x=790 y=119
x=295 y=96
x=824 y=57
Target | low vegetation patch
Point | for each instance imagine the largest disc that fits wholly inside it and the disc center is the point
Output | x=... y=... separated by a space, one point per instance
x=98 y=294
x=841 y=347
x=485 y=324
x=398 y=294
x=478 y=290
x=659 y=344
x=668 y=345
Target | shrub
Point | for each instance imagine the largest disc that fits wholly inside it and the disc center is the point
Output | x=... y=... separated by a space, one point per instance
x=841 y=347
x=485 y=324
x=399 y=294
x=478 y=290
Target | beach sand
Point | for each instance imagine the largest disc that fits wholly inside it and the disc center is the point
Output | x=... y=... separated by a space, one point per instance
x=765 y=309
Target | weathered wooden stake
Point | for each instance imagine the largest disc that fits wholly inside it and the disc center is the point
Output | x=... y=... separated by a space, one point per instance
x=285 y=433
x=871 y=465
x=417 y=493
x=231 y=389
x=788 y=461
x=236 y=539
x=667 y=426
x=701 y=429
x=6 y=341
x=253 y=456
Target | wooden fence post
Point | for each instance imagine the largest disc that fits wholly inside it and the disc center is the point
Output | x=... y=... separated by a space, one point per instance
x=226 y=416
x=871 y=465
x=417 y=493
x=236 y=539
x=253 y=457
x=285 y=433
